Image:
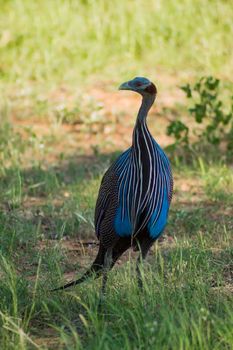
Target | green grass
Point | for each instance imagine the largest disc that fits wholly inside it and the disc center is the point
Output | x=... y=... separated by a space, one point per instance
x=187 y=297
x=50 y=175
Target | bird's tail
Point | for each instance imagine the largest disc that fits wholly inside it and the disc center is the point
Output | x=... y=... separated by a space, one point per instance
x=95 y=269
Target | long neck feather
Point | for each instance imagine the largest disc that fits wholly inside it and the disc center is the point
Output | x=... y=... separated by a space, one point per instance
x=147 y=102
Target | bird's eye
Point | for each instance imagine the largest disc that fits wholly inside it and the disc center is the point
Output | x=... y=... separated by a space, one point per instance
x=138 y=83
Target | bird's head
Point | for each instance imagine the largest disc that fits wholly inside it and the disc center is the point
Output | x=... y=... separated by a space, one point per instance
x=141 y=85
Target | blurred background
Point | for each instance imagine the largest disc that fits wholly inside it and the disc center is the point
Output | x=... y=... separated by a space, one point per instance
x=72 y=41
x=62 y=123
x=61 y=64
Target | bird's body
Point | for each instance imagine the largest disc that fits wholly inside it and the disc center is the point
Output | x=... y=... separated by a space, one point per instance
x=139 y=191
x=135 y=193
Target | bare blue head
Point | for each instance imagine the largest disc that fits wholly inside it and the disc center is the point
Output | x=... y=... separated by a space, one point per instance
x=141 y=85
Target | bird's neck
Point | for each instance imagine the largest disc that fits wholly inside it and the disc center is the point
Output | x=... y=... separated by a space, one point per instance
x=147 y=102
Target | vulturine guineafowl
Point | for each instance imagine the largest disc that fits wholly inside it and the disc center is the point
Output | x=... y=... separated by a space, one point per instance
x=134 y=196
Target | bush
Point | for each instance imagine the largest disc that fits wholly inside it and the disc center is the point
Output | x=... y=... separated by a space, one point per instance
x=211 y=123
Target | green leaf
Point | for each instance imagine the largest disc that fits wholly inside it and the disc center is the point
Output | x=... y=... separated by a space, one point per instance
x=187 y=90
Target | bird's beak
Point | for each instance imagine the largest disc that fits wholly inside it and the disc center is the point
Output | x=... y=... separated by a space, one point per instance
x=125 y=86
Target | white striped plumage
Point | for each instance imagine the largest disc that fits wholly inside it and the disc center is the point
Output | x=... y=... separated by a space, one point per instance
x=131 y=197
x=142 y=180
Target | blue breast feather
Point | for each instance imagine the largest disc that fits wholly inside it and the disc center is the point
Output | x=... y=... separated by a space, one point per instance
x=155 y=230
x=124 y=228
x=157 y=219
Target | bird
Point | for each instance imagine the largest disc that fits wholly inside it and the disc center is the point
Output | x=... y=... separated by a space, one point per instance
x=134 y=196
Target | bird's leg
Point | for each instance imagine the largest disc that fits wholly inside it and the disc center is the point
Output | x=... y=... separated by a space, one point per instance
x=106 y=268
x=144 y=249
x=138 y=270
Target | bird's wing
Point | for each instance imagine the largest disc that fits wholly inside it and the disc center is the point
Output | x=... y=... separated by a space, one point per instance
x=103 y=200
x=107 y=200
x=106 y=203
